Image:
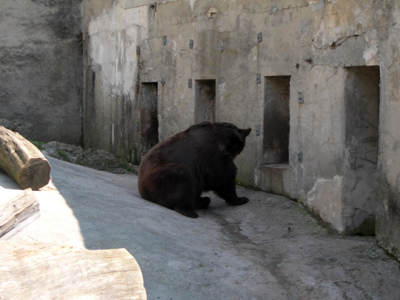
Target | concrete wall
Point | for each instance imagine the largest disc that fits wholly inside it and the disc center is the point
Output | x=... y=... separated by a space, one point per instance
x=388 y=173
x=113 y=34
x=41 y=69
x=241 y=45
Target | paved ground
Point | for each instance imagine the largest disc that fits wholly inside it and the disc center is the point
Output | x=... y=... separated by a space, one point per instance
x=267 y=249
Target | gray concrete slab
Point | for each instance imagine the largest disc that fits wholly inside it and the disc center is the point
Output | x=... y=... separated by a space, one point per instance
x=267 y=249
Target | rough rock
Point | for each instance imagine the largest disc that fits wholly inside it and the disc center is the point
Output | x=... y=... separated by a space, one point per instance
x=96 y=159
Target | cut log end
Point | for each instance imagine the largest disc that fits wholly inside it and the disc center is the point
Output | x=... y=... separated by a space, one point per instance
x=35 y=174
x=22 y=160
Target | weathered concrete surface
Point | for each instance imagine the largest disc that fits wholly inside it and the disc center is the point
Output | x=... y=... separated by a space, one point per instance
x=267 y=249
x=41 y=69
x=388 y=172
x=110 y=78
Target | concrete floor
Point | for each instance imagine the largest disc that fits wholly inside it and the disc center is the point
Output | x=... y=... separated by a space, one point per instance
x=267 y=249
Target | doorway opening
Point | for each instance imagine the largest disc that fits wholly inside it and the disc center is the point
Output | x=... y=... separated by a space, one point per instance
x=148 y=116
x=204 y=101
x=276 y=120
x=361 y=148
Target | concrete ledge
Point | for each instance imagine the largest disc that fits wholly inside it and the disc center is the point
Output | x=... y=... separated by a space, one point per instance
x=135 y=3
x=279 y=179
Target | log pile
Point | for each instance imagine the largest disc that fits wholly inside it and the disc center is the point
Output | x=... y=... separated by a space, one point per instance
x=45 y=271
x=18 y=213
x=22 y=160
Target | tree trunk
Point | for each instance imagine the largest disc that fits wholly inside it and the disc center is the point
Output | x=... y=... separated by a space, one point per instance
x=23 y=161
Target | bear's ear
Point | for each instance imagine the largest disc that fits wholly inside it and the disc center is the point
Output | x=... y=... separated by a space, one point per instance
x=245 y=132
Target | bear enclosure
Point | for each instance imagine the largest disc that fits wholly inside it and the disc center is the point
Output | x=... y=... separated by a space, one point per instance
x=316 y=80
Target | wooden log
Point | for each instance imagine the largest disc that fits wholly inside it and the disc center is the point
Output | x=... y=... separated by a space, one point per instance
x=45 y=271
x=22 y=160
x=18 y=213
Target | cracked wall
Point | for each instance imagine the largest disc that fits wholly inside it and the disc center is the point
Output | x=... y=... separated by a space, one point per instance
x=41 y=69
x=239 y=44
x=388 y=174
x=113 y=35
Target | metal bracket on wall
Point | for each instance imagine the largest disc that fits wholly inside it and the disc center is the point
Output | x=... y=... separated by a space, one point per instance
x=301 y=98
x=258 y=78
x=161 y=136
x=190 y=82
x=163 y=80
x=259 y=37
x=258 y=129
x=221 y=46
x=221 y=80
x=164 y=40
x=138 y=50
x=300 y=157
x=191 y=43
x=137 y=127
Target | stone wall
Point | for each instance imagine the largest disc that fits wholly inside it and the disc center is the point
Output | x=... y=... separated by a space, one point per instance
x=324 y=58
x=41 y=69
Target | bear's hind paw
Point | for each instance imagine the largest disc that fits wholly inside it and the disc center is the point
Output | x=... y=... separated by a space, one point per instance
x=187 y=212
x=202 y=203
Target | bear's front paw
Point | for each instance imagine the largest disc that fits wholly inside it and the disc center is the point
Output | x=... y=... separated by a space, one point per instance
x=239 y=201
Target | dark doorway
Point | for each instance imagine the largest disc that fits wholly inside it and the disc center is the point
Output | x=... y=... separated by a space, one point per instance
x=148 y=116
x=204 y=101
x=276 y=120
x=361 y=147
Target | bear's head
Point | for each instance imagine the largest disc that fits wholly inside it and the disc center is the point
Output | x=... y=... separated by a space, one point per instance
x=233 y=138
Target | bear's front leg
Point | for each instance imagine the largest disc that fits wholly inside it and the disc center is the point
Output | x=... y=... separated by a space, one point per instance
x=226 y=187
x=227 y=192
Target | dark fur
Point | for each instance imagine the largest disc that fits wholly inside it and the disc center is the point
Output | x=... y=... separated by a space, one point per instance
x=176 y=171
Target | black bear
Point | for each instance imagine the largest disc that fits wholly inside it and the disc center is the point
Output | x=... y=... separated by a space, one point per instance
x=176 y=171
